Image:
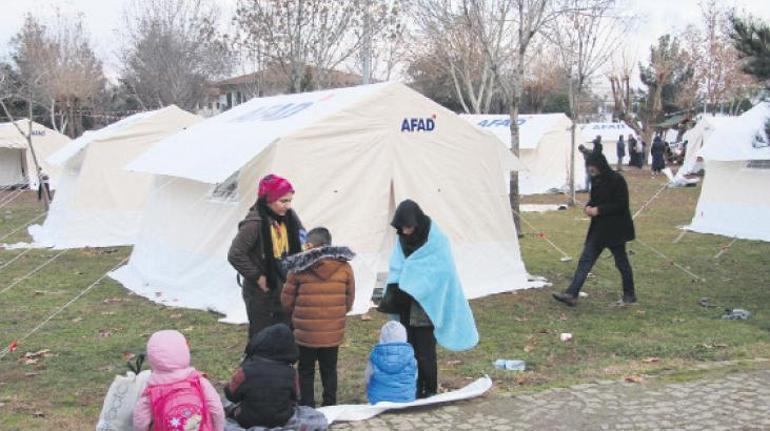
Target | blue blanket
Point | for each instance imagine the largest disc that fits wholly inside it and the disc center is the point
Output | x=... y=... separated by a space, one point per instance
x=430 y=277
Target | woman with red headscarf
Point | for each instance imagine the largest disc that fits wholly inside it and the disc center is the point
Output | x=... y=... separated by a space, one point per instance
x=270 y=232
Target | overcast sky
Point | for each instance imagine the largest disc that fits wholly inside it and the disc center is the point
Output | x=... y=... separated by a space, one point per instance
x=103 y=18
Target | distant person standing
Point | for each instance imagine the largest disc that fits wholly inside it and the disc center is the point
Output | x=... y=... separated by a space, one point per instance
x=632 y=153
x=620 y=147
x=611 y=227
x=658 y=151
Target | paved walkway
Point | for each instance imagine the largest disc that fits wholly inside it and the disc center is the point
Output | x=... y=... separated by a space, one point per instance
x=739 y=402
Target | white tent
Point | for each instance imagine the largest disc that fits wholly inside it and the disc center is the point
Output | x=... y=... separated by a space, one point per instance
x=610 y=132
x=695 y=138
x=544 y=149
x=98 y=204
x=734 y=200
x=17 y=166
x=352 y=155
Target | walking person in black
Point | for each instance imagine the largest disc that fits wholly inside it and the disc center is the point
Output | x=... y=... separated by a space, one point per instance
x=611 y=227
x=620 y=147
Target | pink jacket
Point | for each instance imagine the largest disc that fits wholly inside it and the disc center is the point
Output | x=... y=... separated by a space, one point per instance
x=169 y=357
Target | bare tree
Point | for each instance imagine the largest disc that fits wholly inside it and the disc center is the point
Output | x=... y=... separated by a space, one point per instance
x=585 y=36
x=60 y=71
x=523 y=21
x=171 y=50
x=666 y=75
x=302 y=36
x=447 y=29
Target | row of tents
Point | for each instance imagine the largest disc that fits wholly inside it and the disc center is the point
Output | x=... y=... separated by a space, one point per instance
x=175 y=186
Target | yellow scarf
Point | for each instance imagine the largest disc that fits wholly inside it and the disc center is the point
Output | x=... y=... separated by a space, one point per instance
x=280 y=237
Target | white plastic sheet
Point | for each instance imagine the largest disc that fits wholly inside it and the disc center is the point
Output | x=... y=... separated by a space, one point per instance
x=362 y=412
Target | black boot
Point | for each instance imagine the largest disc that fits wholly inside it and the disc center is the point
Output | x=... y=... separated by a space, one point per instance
x=566 y=298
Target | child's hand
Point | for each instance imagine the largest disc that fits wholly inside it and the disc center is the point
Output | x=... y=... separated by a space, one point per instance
x=262 y=283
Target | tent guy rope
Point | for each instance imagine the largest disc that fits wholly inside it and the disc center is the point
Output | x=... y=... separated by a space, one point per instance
x=29 y=222
x=15 y=258
x=33 y=272
x=13 y=344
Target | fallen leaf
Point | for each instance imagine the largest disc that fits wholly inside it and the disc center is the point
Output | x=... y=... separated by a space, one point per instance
x=651 y=360
x=127 y=356
x=634 y=378
x=366 y=317
x=39 y=292
x=112 y=300
x=188 y=329
x=454 y=363
x=641 y=312
x=29 y=361
x=2 y=405
x=31 y=374
x=563 y=317
x=38 y=414
x=77 y=319
x=176 y=316
x=520 y=319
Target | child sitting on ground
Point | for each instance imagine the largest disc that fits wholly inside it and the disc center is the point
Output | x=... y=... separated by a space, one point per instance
x=391 y=374
x=265 y=385
x=177 y=397
x=318 y=294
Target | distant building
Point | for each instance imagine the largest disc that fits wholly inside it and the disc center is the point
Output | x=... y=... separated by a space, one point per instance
x=271 y=81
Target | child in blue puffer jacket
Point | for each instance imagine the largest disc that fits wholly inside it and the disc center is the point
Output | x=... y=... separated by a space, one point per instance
x=391 y=374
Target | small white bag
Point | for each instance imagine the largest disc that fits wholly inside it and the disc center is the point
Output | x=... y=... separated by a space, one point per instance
x=118 y=410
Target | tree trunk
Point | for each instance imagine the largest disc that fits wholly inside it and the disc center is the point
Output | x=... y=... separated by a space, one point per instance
x=513 y=196
x=571 y=168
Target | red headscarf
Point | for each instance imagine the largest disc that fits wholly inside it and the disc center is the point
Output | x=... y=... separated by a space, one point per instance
x=272 y=187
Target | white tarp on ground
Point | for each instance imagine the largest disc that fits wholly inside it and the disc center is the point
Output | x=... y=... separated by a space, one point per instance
x=362 y=412
x=544 y=149
x=361 y=151
x=17 y=165
x=695 y=138
x=98 y=204
x=734 y=200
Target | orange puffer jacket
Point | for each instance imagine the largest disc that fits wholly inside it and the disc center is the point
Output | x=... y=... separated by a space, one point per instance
x=318 y=298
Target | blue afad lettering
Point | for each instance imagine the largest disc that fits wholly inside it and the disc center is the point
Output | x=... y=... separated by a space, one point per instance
x=273 y=112
x=38 y=133
x=500 y=122
x=418 y=125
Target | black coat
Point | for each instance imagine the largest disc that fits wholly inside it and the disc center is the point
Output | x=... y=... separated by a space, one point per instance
x=609 y=193
x=266 y=384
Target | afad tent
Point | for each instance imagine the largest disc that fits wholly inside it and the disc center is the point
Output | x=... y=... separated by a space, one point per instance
x=610 y=132
x=98 y=204
x=734 y=200
x=17 y=166
x=544 y=149
x=695 y=138
x=352 y=155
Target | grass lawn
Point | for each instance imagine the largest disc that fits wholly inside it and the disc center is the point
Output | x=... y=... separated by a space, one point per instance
x=87 y=340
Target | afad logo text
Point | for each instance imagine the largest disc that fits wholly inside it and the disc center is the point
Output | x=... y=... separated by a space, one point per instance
x=419 y=124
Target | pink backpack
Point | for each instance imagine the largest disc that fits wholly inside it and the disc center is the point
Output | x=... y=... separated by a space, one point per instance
x=179 y=406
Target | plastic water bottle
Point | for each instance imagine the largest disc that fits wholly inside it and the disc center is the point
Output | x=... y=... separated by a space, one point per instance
x=510 y=364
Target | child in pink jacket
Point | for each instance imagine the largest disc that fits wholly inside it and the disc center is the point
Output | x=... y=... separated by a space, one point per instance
x=169 y=357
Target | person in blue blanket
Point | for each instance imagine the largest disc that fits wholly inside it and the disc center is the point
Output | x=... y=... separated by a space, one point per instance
x=391 y=374
x=432 y=305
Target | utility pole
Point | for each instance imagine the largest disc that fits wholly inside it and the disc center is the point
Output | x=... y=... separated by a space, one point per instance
x=367 y=46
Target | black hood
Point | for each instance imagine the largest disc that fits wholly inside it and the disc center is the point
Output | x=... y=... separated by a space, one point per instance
x=599 y=161
x=302 y=261
x=274 y=342
x=409 y=214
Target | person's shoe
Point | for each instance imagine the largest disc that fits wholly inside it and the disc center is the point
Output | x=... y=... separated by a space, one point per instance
x=626 y=300
x=565 y=298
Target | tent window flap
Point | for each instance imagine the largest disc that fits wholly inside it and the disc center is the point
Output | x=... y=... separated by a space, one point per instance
x=227 y=191
x=758 y=164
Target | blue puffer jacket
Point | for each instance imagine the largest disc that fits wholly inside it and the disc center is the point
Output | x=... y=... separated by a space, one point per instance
x=394 y=373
